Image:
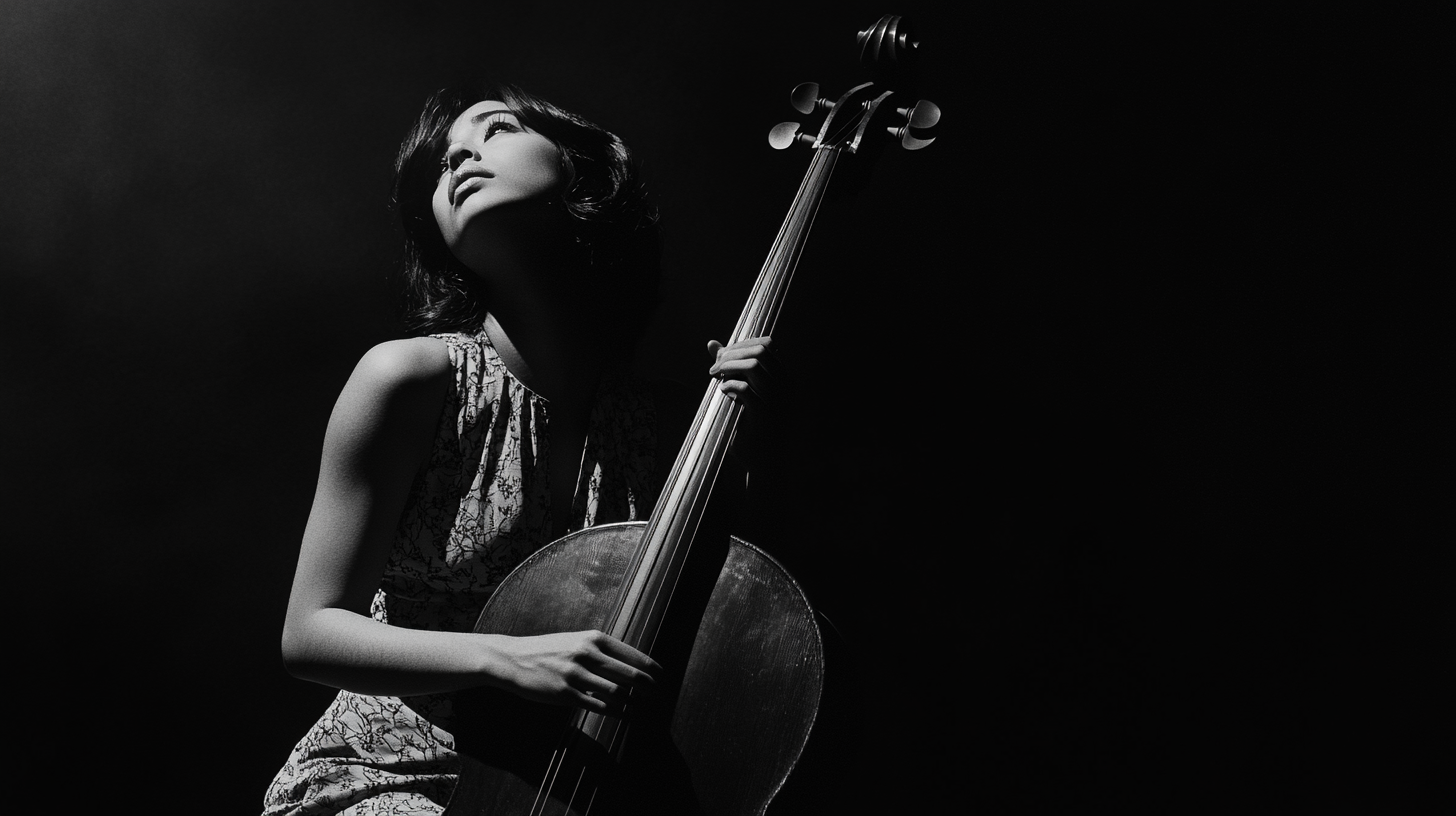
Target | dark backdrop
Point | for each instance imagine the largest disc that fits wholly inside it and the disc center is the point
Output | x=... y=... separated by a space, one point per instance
x=1078 y=467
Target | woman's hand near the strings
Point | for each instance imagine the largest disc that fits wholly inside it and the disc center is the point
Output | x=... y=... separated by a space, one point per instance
x=590 y=669
x=748 y=370
x=752 y=374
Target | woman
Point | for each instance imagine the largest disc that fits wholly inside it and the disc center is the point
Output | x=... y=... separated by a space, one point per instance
x=451 y=456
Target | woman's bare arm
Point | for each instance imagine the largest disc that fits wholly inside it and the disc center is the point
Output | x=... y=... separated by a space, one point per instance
x=378 y=437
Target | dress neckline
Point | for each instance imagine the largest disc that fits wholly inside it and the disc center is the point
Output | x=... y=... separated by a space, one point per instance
x=505 y=352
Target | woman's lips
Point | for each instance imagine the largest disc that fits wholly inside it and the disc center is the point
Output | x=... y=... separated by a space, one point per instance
x=466 y=187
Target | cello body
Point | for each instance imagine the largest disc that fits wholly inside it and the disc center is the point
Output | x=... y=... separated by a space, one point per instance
x=720 y=738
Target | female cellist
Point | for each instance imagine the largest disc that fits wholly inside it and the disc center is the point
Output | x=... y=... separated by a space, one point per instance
x=453 y=454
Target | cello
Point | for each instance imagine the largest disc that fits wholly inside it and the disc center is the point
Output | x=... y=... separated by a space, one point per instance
x=744 y=654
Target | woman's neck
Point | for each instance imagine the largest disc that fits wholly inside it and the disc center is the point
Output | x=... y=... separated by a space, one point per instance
x=552 y=364
x=545 y=315
x=548 y=331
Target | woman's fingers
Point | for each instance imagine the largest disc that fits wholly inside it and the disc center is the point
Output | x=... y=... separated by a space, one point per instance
x=743 y=367
x=615 y=673
x=590 y=669
x=749 y=348
x=621 y=664
x=611 y=665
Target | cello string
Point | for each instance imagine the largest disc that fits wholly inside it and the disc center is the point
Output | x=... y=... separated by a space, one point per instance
x=763 y=313
x=785 y=234
x=787 y=255
x=621 y=617
x=698 y=461
x=670 y=504
x=806 y=219
x=725 y=429
x=543 y=791
x=570 y=734
x=768 y=291
x=576 y=787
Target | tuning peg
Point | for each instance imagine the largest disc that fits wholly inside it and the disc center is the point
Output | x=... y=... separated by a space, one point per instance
x=785 y=134
x=805 y=98
x=921 y=115
x=902 y=134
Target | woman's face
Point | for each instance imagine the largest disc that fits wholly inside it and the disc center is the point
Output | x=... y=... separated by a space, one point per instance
x=495 y=169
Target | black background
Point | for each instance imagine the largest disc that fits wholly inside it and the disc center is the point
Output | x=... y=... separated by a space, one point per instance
x=1104 y=461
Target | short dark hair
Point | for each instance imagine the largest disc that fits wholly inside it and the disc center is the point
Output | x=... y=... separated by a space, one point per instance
x=609 y=211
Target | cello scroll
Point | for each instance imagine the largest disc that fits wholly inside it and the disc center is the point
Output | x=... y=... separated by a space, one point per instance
x=889 y=48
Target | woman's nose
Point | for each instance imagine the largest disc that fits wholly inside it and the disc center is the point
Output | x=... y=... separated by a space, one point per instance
x=458 y=153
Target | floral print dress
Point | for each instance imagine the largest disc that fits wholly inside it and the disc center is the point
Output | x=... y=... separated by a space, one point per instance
x=475 y=512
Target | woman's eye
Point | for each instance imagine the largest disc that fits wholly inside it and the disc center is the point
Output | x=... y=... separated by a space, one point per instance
x=497 y=126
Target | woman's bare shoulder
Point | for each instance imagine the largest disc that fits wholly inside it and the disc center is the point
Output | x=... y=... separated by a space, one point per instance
x=408 y=378
x=402 y=363
x=393 y=397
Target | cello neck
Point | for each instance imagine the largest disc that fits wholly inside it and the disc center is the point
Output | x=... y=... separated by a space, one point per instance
x=684 y=496
x=771 y=288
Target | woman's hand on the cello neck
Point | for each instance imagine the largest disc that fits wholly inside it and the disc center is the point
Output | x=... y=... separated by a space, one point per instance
x=751 y=373
x=592 y=670
x=748 y=371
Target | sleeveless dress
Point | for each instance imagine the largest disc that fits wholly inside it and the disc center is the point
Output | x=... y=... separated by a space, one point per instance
x=478 y=508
